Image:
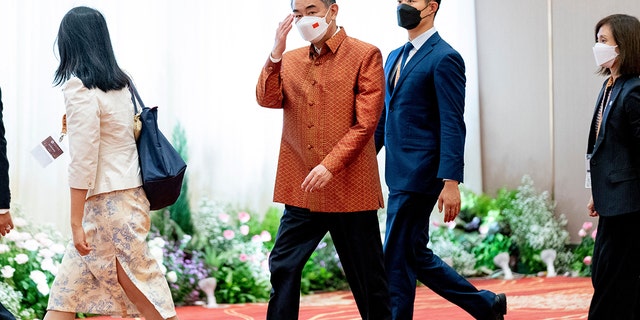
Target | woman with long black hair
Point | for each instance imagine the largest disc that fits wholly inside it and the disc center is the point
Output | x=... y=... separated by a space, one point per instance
x=108 y=268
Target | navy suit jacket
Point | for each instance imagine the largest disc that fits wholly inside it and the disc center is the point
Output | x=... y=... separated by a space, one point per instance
x=422 y=126
x=5 y=196
x=615 y=152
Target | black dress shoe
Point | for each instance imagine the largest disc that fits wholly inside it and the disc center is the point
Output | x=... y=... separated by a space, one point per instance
x=500 y=306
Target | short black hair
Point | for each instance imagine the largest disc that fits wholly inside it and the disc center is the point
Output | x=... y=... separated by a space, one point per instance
x=327 y=3
x=85 y=51
x=626 y=32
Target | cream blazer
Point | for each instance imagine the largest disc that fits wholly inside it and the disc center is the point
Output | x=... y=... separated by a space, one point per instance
x=102 y=147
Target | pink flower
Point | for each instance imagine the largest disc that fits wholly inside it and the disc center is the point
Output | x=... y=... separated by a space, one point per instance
x=224 y=217
x=243 y=217
x=587 y=225
x=593 y=234
x=582 y=233
x=244 y=229
x=265 y=236
x=228 y=234
x=243 y=257
x=256 y=238
x=587 y=260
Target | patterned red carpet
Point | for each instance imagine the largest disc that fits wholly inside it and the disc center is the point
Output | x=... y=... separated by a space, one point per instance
x=528 y=298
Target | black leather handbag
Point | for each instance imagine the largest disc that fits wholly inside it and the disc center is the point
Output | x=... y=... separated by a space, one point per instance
x=161 y=165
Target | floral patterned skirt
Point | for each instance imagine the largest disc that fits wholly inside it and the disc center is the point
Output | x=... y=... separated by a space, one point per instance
x=116 y=225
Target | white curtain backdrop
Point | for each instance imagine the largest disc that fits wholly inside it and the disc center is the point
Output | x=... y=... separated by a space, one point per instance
x=198 y=60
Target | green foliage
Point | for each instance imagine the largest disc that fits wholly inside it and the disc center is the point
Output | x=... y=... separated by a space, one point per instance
x=323 y=271
x=181 y=209
x=166 y=227
x=490 y=247
x=237 y=284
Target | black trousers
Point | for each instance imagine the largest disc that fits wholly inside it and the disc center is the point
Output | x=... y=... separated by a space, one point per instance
x=356 y=236
x=615 y=272
x=5 y=314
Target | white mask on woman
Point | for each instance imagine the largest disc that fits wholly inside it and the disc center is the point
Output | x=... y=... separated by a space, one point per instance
x=313 y=28
x=605 y=54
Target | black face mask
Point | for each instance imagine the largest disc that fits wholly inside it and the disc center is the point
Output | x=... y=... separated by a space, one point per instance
x=408 y=16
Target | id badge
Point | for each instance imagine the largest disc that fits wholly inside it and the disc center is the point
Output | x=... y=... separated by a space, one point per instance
x=48 y=150
x=587 y=179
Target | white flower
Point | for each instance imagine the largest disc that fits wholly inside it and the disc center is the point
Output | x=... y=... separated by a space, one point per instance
x=46 y=253
x=21 y=258
x=157 y=242
x=19 y=222
x=58 y=248
x=7 y=272
x=38 y=276
x=31 y=245
x=17 y=236
x=43 y=288
x=4 y=248
x=157 y=254
x=48 y=265
x=44 y=240
x=163 y=268
x=172 y=276
x=41 y=281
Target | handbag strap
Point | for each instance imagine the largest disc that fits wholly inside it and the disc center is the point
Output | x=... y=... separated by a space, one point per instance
x=135 y=96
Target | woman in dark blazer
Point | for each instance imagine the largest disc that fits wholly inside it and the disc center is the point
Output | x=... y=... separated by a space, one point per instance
x=614 y=170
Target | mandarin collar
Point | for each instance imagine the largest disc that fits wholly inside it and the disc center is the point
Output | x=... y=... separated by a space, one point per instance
x=332 y=44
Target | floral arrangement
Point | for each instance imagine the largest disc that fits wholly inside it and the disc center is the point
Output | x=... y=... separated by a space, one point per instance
x=584 y=251
x=29 y=255
x=182 y=267
x=232 y=246
x=534 y=226
x=235 y=250
x=451 y=246
x=520 y=222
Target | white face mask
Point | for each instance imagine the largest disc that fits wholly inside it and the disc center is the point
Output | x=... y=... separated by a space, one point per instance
x=605 y=54
x=312 y=28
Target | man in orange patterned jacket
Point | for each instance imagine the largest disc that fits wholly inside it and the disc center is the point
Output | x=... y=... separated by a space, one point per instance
x=331 y=93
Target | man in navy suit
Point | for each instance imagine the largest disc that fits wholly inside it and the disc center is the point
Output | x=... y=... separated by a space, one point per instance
x=422 y=129
x=6 y=223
